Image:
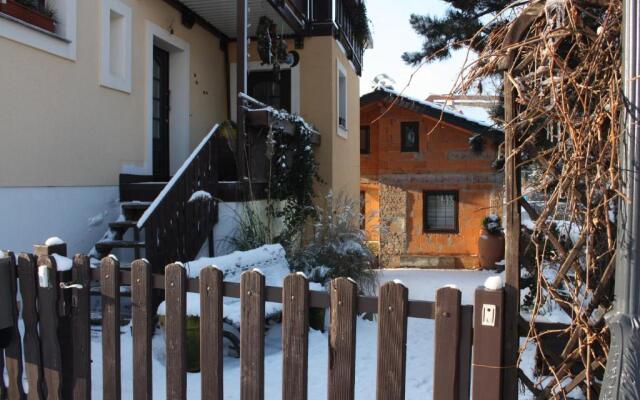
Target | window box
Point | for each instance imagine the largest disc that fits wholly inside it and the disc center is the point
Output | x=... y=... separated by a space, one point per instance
x=28 y=15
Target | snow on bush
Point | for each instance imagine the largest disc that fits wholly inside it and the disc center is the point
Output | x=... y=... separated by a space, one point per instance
x=269 y=260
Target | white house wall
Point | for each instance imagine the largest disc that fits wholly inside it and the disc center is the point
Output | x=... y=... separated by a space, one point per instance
x=78 y=215
x=60 y=127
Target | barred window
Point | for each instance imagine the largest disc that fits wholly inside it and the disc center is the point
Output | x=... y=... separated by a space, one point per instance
x=440 y=211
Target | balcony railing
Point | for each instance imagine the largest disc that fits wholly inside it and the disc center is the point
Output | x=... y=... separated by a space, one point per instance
x=331 y=16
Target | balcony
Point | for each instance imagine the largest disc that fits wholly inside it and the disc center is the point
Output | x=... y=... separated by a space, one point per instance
x=337 y=17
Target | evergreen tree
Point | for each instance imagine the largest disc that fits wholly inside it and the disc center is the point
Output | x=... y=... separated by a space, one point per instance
x=460 y=23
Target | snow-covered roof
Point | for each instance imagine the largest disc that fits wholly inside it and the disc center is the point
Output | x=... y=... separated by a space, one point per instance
x=432 y=109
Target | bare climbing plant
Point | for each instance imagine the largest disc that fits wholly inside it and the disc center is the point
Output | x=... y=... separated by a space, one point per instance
x=563 y=60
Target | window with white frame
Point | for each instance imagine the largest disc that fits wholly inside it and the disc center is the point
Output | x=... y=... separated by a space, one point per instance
x=59 y=39
x=115 y=68
x=342 y=100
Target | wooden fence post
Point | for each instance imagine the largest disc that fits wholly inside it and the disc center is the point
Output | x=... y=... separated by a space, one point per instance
x=176 y=331
x=295 y=337
x=110 y=289
x=13 y=352
x=81 y=328
x=142 y=328
x=67 y=346
x=48 y=290
x=393 y=308
x=342 y=339
x=488 y=336
x=446 y=376
x=211 y=338
x=28 y=272
x=252 y=335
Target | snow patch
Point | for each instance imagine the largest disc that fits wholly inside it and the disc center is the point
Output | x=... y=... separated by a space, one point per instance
x=398 y=281
x=200 y=195
x=451 y=285
x=273 y=265
x=52 y=241
x=494 y=283
x=114 y=258
x=63 y=263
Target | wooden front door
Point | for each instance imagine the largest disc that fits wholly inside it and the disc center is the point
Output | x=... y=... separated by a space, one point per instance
x=262 y=85
x=160 y=114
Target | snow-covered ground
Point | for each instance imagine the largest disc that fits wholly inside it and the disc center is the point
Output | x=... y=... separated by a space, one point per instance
x=422 y=285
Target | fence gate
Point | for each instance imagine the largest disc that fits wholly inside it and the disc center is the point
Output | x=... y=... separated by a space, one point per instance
x=55 y=344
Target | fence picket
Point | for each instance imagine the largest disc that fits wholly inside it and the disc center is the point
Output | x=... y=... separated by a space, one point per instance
x=65 y=334
x=3 y=388
x=142 y=328
x=392 y=341
x=13 y=352
x=446 y=376
x=80 y=328
x=110 y=287
x=295 y=337
x=464 y=355
x=27 y=273
x=252 y=336
x=342 y=339
x=48 y=314
x=176 y=331
x=211 y=333
x=488 y=337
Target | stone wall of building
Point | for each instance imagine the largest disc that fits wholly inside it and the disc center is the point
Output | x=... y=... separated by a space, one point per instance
x=393 y=225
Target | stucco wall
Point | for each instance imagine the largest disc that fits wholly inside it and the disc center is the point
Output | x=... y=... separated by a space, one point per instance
x=59 y=127
x=444 y=162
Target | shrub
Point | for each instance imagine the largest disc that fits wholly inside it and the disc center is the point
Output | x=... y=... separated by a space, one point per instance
x=338 y=247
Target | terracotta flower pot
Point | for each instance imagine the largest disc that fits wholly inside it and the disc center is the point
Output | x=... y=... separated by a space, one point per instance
x=490 y=249
x=28 y=15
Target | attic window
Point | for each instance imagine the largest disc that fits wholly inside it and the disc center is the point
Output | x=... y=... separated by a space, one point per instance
x=410 y=136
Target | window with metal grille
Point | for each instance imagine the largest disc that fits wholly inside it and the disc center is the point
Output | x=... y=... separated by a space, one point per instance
x=440 y=211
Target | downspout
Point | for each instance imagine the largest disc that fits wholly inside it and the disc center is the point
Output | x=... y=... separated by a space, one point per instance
x=622 y=376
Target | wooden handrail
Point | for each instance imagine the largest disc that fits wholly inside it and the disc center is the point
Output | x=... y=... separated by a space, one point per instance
x=177 y=223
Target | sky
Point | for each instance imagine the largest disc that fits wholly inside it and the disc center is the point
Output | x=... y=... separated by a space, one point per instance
x=392 y=36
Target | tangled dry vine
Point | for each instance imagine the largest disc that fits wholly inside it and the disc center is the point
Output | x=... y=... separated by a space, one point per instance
x=563 y=60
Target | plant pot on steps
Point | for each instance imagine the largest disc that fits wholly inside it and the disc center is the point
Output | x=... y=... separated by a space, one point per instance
x=490 y=249
x=28 y=15
x=193 y=341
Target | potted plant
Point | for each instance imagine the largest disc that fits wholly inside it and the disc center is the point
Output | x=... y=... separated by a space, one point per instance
x=491 y=242
x=31 y=12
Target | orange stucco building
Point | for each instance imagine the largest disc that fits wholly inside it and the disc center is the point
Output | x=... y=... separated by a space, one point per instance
x=424 y=192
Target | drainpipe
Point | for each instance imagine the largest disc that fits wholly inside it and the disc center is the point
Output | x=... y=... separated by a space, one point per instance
x=622 y=376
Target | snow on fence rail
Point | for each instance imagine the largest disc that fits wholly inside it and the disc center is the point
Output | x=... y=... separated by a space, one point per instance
x=57 y=343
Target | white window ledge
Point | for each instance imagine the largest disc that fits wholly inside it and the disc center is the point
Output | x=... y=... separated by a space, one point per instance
x=62 y=43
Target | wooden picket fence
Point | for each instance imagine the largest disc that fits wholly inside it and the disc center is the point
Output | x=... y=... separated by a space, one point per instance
x=56 y=340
